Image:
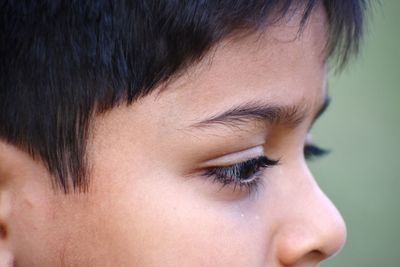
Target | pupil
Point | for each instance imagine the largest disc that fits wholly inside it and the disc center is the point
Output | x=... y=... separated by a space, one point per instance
x=248 y=169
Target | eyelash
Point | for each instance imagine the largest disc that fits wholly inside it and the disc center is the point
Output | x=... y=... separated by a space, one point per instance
x=241 y=175
x=313 y=152
x=247 y=174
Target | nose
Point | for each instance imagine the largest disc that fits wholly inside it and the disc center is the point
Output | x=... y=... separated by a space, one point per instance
x=312 y=230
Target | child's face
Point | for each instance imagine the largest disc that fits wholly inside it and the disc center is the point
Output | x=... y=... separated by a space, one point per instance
x=150 y=203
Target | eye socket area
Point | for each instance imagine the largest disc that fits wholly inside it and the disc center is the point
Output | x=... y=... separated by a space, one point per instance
x=240 y=171
x=245 y=173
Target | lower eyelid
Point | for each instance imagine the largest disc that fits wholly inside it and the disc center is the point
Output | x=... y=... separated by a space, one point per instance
x=254 y=177
x=247 y=186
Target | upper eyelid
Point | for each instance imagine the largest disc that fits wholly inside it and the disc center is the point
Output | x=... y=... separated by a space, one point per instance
x=235 y=157
x=309 y=139
x=223 y=168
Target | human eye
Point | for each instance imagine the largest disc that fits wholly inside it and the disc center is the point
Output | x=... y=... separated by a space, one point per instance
x=312 y=151
x=242 y=175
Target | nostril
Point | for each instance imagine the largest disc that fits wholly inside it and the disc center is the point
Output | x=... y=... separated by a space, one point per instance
x=312 y=258
x=3 y=231
x=317 y=255
x=300 y=259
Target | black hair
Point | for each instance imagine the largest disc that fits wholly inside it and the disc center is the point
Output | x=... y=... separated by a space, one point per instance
x=64 y=61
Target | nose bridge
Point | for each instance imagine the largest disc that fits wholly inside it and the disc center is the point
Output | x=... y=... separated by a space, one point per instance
x=312 y=228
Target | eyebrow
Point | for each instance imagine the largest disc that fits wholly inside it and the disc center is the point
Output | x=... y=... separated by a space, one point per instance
x=290 y=116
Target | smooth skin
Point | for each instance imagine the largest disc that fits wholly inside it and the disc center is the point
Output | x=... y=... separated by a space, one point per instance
x=149 y=203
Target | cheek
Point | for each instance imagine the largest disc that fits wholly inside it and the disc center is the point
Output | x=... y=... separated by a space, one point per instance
x=35 y=231
x=159 y=220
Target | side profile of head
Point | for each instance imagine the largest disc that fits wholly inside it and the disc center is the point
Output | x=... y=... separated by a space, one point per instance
x=167 y=133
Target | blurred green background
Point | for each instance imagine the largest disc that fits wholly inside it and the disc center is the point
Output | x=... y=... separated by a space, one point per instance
x=362 y=127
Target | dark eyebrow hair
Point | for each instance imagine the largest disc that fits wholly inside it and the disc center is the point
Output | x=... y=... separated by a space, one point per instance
x=291 y=116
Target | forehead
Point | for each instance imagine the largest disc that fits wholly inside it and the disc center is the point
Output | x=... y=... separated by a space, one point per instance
x=280 y=66
x=283 y=64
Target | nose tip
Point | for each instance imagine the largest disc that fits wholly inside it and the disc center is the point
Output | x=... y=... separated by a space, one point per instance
x=315 y=232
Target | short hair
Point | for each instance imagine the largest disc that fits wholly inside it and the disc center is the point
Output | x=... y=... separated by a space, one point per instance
x=62 y=62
